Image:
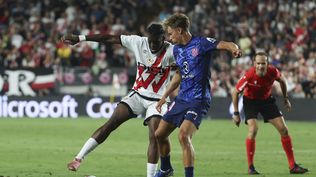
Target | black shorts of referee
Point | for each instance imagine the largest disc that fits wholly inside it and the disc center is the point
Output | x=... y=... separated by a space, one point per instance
x=267 y=108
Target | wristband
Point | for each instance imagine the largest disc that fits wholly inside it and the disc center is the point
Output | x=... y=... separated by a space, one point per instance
x=236 y=113
x=82 y=37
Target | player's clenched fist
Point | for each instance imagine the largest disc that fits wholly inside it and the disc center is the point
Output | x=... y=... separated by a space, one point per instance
x=70 y=39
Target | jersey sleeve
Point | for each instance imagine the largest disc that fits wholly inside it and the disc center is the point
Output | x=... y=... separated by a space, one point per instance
x=243 y=81
x=130 y=41
x=276 y=73
x=208 y=44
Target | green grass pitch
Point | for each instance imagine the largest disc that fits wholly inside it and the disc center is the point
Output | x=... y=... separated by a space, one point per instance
x=42 y=148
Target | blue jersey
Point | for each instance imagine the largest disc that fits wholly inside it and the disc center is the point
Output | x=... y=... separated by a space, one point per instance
x=193 y=60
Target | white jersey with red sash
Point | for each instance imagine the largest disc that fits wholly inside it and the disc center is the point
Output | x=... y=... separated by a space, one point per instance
x=152 y=69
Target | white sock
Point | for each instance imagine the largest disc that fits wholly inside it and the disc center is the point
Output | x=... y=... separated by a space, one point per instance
x=151 y=169
x=87 y=148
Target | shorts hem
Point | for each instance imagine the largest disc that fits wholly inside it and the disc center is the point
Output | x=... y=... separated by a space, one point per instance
x=131 y=113
x=145 y=123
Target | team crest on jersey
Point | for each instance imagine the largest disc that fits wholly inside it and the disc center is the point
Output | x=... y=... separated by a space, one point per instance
x=195 y=52
x=150 y=60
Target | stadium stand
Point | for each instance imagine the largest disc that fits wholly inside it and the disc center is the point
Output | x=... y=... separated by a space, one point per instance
x=30 y=33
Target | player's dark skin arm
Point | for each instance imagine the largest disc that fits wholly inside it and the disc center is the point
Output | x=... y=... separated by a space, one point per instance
x=235 y=96
x=287 y=103
x=105 y=39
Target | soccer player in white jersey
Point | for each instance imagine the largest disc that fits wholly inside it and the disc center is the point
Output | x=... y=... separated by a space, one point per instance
x=154 y=59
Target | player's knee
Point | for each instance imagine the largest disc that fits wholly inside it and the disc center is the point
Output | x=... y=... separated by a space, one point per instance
x=184 y=138
x=252 y=132
x=158 y=136
x=112 y=124
x=152 y=138
x=284 y=131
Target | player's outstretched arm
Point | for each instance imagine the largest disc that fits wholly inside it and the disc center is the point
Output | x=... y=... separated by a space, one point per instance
x=106 y=39
x=236 y=116
x=231 y=47
x=174 y=83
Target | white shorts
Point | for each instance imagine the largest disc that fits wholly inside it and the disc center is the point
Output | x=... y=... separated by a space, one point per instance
x=141 y=105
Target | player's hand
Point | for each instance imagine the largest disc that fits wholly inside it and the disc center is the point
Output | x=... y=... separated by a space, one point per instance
x=287 y=104
x=70 y=39
x=160 y=103
x=237 y=53
x=236 y=120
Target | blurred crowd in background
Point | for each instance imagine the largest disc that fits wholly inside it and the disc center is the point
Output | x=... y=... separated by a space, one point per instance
x=30 y=34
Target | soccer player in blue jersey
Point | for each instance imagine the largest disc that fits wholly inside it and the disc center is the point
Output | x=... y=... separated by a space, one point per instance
x=193 y=58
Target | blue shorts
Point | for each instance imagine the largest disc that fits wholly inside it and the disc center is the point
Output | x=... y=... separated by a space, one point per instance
x=180 y=110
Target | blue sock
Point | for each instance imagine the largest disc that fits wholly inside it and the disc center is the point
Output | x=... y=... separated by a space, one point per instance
x=189 y=171
x=165 y=163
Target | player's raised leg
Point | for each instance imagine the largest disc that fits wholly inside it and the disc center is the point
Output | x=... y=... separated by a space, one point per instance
x=121 y=114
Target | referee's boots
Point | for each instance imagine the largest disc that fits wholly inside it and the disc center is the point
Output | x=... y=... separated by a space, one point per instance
x=298 y=169
x=252 y=170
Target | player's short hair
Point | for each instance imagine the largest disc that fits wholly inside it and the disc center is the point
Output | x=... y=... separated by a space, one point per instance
x=155 y=29
x=261 y=54
x=177 y=20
